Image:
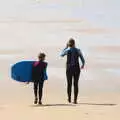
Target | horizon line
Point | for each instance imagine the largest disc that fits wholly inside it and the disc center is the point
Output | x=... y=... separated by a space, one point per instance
x=40 y=21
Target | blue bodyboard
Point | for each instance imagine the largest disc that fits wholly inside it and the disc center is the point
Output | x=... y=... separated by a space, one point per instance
x=22 y=71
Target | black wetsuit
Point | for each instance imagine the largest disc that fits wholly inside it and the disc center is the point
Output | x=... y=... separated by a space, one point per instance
x=73 y=69
x=38 y=77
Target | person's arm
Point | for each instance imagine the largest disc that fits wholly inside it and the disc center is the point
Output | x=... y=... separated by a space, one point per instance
x=82 y=58
x=64 y=51
x=46 y=64
x=45 y=72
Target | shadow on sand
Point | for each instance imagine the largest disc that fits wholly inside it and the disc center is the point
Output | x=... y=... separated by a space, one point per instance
x=52 y=105
x=103 y=104
x=72 y=105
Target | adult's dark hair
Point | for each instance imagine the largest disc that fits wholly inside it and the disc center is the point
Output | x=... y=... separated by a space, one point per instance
x=41 y=56
x=71 y=42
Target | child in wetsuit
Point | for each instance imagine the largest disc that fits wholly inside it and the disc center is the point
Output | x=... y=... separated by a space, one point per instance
x=38 y=77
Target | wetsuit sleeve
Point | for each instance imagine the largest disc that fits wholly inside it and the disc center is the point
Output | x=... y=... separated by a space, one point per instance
x=64 y=52
x=45 y=72
x=81 y=57
x=45 y=67
x=46 y=64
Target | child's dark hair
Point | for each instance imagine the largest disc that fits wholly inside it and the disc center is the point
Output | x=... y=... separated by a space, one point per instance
x=71 y=42
x=41 y=56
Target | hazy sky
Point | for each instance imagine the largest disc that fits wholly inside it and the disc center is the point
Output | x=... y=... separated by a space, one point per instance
x=103 y=13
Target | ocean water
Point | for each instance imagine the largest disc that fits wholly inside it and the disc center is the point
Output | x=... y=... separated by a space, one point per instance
x=114 y=71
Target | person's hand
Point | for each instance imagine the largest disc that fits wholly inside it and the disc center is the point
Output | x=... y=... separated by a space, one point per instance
x=82 y=67
x=67 y=45
x=27 y=82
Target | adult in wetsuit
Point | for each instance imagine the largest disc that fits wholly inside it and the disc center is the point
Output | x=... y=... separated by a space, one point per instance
x=73 y=67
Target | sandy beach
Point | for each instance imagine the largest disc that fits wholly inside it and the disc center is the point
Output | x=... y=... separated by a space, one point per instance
x=99 y=90
x=28 y=27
